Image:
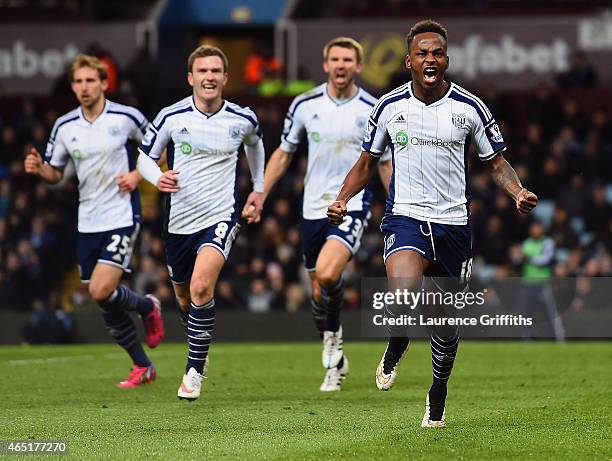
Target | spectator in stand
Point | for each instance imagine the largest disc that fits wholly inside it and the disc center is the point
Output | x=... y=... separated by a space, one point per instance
x=580 y=75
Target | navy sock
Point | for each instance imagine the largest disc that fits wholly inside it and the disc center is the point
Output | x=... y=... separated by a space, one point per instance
x=138 y=355
x=128 y=300
x=122 y=329
x=443 y=353
x=319 y=315
x=335 y=297
x=200 y=326
x=184 y=316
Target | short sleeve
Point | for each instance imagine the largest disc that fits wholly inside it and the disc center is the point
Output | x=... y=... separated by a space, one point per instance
x=56 y=154
x=386 y=156
x=375 y=140
x=156 y=137
x=293 y=128
x=254 y=133
x=486 y=134
x=139 y=126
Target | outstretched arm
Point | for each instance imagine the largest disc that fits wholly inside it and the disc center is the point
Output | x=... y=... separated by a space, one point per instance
x=506 y=178
x=33 y=164
x=355 y=180
x=276 y=167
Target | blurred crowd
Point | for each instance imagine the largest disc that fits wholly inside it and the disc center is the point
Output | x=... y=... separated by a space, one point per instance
x=561 y=152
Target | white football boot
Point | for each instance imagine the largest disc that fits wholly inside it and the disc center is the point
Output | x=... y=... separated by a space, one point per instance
x=334 y=377
x=332 y=348
x=192 y=383
x=428 y=422
x=386 y=372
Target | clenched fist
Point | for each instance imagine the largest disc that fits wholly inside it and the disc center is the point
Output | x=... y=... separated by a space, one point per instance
x=33 y=162
x=526 y=201
x=337 y=211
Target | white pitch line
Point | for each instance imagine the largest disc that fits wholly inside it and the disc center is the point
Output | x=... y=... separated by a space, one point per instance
x=48 y=360
x=68 y=358
x=115 y=355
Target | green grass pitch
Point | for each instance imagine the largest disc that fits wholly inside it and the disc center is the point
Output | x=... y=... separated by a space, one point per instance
x=507 y=400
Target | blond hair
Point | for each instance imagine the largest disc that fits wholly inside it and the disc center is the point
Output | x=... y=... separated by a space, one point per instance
x=204 y=51
x=85 y=60
x=344 y=42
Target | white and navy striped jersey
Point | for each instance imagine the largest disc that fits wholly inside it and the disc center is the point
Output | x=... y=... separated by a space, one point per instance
x=334 y=129
x=100 y=150
x=429 y=144
x=204 y=150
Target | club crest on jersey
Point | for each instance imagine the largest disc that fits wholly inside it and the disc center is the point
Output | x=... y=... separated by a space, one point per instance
x=235 y=132
x=401 y=137
x=459 y=120
x=114 y=130
x=186 y=148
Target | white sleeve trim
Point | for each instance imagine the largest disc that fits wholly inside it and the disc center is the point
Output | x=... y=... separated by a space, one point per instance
x=288 y=146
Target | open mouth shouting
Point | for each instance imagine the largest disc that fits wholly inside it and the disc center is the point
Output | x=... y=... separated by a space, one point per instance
x=341 y=78
x=430 y=75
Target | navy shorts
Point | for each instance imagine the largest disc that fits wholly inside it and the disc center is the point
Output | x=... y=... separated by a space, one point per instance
x=447 y=247
x=114 y=247
x=182 y=250
x=315 y=232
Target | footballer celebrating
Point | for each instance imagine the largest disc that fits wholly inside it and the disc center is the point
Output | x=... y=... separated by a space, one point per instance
x=202 y=134
x=429 y=124
x=332 y=117
x=98 y=137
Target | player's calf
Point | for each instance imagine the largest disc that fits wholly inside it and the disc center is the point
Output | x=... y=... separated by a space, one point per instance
x=319 y=314
x=333 y=292
x=122 y=329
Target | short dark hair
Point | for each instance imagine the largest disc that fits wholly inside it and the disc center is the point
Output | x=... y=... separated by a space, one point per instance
x=205 y=51
x=426 y=25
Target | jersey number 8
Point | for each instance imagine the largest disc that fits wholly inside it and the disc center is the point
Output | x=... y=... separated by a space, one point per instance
x=220 y=232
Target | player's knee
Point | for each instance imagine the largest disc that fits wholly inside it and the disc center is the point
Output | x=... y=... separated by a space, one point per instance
x=100 y=292
x=201 y=289
x=327 y=278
